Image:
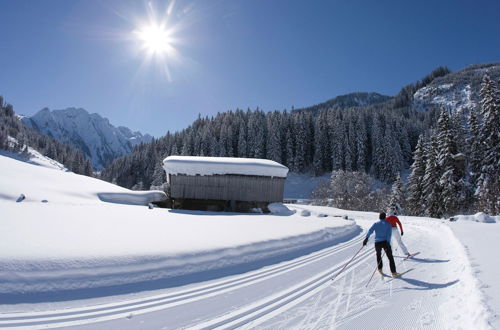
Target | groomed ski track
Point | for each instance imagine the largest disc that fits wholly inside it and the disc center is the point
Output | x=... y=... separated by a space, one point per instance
x=439 y=294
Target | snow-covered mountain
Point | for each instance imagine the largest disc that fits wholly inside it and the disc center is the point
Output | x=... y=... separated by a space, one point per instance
x=93 y=134
x=458 y=91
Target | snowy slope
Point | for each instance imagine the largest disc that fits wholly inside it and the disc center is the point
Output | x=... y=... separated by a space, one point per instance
x=94 y=135
x=457 y=91
x=32 y=156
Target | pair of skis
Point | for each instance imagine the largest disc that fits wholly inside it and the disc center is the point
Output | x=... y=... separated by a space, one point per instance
x=399 y=275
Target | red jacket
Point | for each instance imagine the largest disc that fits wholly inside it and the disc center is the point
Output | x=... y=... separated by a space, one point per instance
x=393 y=220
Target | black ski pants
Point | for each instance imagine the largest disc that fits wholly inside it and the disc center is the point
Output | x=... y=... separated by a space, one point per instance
x=388 y=252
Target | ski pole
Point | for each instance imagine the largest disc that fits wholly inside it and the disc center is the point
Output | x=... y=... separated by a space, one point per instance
x=333 y=278
x=378 y=264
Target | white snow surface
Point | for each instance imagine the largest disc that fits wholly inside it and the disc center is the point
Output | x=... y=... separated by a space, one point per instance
x=76 y=241
x=196 y=165
x=34 y=157
x=79 y=262
x=478 y=217
x=480 y=240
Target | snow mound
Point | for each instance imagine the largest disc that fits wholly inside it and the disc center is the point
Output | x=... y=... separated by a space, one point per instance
x=305 y=213
x=133 y=197
x=280 y=209
x=195 y=165
x=478 y=217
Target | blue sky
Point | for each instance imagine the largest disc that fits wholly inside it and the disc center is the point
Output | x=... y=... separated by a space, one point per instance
x=230 y=54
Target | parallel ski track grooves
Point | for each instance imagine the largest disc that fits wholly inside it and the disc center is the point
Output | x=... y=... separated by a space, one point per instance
x=104 y=312
x=253 y=312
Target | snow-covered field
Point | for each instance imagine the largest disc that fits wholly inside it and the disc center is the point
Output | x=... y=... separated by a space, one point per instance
x=68 y=258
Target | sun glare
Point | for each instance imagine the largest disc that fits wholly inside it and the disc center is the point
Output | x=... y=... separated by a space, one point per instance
x=155 y=39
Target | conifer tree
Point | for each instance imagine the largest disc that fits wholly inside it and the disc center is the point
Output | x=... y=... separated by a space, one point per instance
x=431 y=186
x=451 y=179
x=488 y=189
x=416 y=197
x=474 y=148
x=397 y=198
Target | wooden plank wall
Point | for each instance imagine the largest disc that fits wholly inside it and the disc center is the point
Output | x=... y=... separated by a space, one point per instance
x=228 y=187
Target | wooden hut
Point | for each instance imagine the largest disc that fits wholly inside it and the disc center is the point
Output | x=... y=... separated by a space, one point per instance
x=224 y=183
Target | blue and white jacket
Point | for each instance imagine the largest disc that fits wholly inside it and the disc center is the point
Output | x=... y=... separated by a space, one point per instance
x=383 y=231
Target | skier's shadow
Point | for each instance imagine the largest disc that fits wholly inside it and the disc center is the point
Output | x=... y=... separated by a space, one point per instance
x=422 y=285
x=426 y=261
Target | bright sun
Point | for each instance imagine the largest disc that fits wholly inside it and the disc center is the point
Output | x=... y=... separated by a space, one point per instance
x=155 y=39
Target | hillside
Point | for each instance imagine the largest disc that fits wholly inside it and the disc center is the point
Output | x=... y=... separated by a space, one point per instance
x=25 y=143
x=456 y=91
x=94 y=135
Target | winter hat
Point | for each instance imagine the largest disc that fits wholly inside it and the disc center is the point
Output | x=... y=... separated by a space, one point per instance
x=391 y=213
x=381 y=216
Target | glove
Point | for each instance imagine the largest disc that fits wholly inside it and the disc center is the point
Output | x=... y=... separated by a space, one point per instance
x=365 y=241
x=401 y=233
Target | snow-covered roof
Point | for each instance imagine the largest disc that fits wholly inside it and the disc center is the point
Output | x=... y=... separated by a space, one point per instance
x=195 y=165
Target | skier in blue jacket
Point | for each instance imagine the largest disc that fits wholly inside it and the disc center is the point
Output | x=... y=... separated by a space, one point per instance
x=383 y=232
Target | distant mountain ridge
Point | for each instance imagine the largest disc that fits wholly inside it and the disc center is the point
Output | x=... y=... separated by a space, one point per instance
x=357 y=99
x=94 y=135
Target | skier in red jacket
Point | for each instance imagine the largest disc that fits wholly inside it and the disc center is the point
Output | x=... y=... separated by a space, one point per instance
x=393 y=220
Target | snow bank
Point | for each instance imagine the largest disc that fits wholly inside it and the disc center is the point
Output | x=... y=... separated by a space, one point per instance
x=480 y=243
x=193 y=165
x=133 y=198
x=478 y=217
x=51 y=183
x=280 y=209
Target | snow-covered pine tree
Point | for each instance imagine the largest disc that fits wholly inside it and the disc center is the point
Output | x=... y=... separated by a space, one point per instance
x=300 y=147
x=416 y=198
x=488 y=188
x=350 y=144
x=159 y=177
x=321 y=153
x=392 y=156
x=242 y=140
x=273 y=138
x=290 y=150
x=431 y=186
x=338 y=142
x=361 y=145
x=397 y=198
x=452 y=178
x=474 y=148
x=318 y=149
x=378 y=148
